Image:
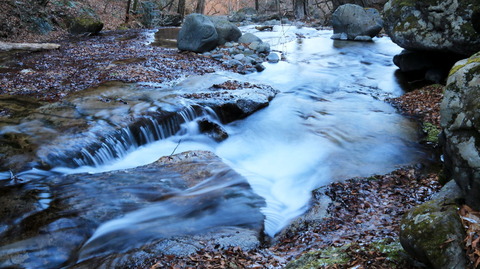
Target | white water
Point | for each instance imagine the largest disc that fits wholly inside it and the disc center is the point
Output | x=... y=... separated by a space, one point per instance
x=329 y=122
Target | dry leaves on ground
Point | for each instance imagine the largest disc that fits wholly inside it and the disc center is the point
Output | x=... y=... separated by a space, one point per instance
x=471 y=221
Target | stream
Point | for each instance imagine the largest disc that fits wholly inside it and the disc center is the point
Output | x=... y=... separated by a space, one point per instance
x=329 y=122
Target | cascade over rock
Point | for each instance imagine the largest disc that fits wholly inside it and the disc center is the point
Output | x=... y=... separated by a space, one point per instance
x=460 y=120
x=105 y=122
x=353 y=22
x=175 y=206
x=433 y=25
x=198 y=34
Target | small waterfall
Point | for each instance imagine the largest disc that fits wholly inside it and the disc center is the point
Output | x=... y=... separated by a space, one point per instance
x=145 y=130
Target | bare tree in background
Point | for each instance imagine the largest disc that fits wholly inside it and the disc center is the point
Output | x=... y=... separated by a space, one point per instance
x=127 y=12
x=300 y=9
x=181 y=7
x=200 y=7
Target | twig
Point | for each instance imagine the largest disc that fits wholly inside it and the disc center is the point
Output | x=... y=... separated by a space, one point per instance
x=178 y=144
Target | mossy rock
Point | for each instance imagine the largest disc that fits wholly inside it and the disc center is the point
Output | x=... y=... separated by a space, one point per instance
x=320 y=258
x=85 y=24
x=431 y=133
x=460 y=121
x=341 y=257
x=434 y=25
x=433 y=233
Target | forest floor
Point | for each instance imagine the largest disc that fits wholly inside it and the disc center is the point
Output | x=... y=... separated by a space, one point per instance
x=362 y=226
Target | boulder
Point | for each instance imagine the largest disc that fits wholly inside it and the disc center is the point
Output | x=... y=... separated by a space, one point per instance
x=249 y=38
x=85 y=24
x=433 y=25
x=433 y=66
x=354 y=22
x=460 y=120
x=197 y=34
x=227 y=31
x=433 y=232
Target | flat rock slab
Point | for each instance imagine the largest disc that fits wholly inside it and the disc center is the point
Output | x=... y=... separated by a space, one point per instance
x=177 y=205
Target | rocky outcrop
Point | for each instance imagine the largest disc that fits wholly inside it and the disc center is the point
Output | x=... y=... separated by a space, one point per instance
x=85 y=24
x=353 y=22
x=227 y=31
x=111 y=118
x=198 y=34
x=433 y=232
x=460 y=120
x=177 y=205
x=234 y=100
x=433 y=25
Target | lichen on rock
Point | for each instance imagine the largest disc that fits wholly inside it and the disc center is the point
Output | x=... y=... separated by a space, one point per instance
x=433 y=233
x=434 y=25
x=460 y=120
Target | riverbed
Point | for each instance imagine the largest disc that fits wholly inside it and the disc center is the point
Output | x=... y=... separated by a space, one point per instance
x=328 y=122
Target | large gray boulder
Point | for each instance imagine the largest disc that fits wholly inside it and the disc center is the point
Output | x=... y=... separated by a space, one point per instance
x=460 y=120
x=433 y=25
x=227 y=31
x=198 y=34
x=433 y=233
x=353 y=22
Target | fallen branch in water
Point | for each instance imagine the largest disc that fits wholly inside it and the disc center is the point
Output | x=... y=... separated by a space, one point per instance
x=4 y=46
x=264 y=28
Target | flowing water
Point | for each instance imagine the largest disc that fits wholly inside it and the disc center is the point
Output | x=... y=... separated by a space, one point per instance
x=329 y=122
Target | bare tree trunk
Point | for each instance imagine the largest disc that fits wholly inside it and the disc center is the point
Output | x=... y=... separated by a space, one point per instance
x=257 y=6
x=135 y=6
x=200 y=7
x=127 y=13
x=300 y=9
x=181 y=7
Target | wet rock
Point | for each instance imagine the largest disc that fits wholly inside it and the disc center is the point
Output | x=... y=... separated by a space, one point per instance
x=433 y=25
x=460 y=120
x=227 y=31
x=433 y=66
x=178 y=205
x=212 y=129
x=249 y=38
x=259 y=67
x=85 y=24
x=263 y=48
x=198 y=34
x=234 y=100
x=356 y=22
x=273 y=58
x=433 y=233
x=316 y=213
